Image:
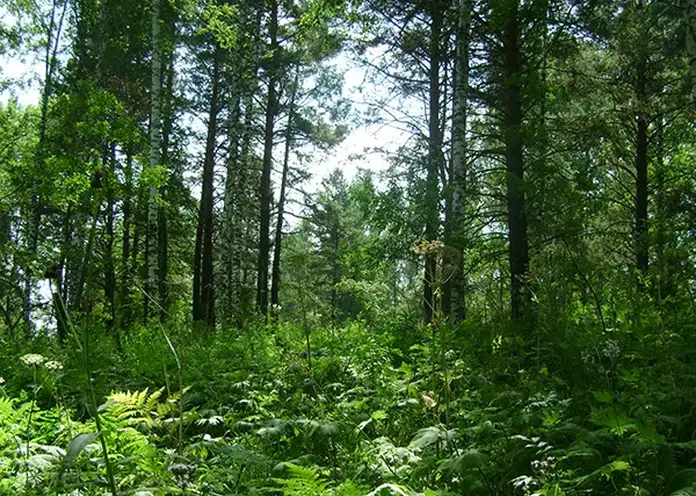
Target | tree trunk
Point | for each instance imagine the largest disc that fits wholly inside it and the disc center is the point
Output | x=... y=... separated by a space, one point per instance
x=62 y=286
x=109 y=266
x=266 y=193
x=197 y=261
x=691 y=42
x=432 y=199
x=641 y=206
x=151 y=253
x=206 y=307
x=454 y=294
x=127 y=266
x=162 y=220
x=53 y=34
x=231 y=213
x=512 y=130
x=87 y=256
x=275 y=273
x=662 y=285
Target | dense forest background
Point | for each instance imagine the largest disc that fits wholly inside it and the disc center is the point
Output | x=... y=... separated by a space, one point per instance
x=507 y=308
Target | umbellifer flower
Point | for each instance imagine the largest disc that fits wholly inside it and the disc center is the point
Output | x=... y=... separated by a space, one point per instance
x=611 y=349
x=32 y=359
x=53 y=365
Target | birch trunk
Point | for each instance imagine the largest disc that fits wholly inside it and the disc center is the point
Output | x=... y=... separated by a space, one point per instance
x=455 y=288
x=151 y=250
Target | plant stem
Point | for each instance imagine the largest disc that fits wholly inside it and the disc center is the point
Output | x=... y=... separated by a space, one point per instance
x=83 y=348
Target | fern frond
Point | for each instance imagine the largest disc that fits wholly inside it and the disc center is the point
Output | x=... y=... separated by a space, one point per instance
x=303 y=481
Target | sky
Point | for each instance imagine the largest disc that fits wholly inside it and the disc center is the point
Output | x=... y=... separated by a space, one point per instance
x=362 y=140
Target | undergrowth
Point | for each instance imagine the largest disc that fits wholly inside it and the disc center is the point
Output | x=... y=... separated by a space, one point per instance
x=361 y=415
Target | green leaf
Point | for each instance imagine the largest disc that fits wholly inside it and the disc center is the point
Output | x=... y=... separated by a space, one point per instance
x=76 y=446
x=379 y=415
x=42 y=461
x=615 y=466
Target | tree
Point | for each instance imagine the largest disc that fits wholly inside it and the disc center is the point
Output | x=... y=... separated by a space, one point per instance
x=454 y=293
x=154 y=159
x=203 y=285
x=269 y=133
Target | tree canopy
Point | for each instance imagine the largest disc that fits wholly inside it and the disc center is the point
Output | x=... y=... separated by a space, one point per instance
x=205 y=288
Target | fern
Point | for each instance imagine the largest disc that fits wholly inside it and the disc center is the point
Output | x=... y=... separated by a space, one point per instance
x=303 y=481
x=141 y=407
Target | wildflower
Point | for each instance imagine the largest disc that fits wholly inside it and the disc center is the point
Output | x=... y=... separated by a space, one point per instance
x=429 y=398
x=32 y=359
x=181 y=469
x=427 y=247
x=543 y=465
x=611 y=349
x=53 y=365
x=587 y=357
x=2 y=380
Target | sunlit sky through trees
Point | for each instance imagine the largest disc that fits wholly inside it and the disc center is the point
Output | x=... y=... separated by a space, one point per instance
x=366 y=146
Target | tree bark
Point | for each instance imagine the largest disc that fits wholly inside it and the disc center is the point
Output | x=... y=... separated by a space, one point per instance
x=265 y=191
x=275 y=273
x=230 y=213
x=151 y=253
x=691 y=42
x=127 y=266
x=109 y=266
x=512 y=130
x=454 y=293
x=432 y=199
x=206 y=306
x=162 y=213
x=641 y=205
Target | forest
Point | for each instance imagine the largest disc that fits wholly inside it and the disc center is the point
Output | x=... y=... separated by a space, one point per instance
x=347 y=247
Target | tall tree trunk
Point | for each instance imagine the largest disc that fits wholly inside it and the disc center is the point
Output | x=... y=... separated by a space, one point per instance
x=512 y=131
x=87 y=259
x=432 y=199
x=691 y=42
x=275 y=273
x=197 y=264
x=151 y=253
x=641 y=206
x=206 y=306
x=266 y=193
x=231 y=213
x=162 y=221
x=62 y=270
x=660 y=222
x=127 y=266
x=109 y=266
x=454 y=294
x=55 y=27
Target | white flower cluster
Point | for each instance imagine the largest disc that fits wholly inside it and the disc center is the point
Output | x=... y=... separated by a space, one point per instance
x=36 y=360
x=32 y=359
x=53 y=365
x=543 y=465
x=611 y=349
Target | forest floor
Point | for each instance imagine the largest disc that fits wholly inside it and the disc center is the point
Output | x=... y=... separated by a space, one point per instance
x=355 y=410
